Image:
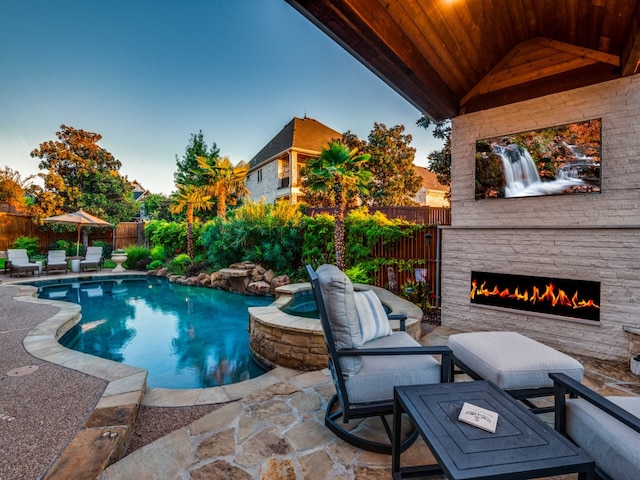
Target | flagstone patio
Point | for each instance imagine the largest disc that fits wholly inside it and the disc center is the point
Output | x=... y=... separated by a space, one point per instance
x=267 y=428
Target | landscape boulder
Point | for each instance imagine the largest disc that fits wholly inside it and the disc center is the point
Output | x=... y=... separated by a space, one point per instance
x=279 y=281
x=258 y=288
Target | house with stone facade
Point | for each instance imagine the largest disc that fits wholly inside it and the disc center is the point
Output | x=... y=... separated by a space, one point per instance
x=497 y=72
x=274 y=170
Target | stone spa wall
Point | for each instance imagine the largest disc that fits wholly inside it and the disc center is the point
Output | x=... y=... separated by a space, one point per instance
x=277 y=338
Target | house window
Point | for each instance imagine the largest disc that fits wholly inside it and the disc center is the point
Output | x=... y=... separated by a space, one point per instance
x=259 y=175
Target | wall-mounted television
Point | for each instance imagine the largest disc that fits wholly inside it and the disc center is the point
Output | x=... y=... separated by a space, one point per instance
x=559 y=160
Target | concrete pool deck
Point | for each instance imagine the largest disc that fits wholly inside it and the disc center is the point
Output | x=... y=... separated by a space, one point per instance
x=269 y=427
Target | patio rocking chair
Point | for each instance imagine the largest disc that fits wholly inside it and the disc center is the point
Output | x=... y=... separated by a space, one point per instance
x=367 y=360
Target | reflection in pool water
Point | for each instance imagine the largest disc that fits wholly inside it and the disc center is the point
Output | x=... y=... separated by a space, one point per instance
x=185 y=337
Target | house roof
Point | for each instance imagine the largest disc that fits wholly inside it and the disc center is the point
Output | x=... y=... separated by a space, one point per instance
x=300 y=133
x=430 y=179
x=449 y=57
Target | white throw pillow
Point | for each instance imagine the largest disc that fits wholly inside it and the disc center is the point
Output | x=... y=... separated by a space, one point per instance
x=372 y=316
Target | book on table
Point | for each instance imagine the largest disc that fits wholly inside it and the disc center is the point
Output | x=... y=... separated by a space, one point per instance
x=479 y=417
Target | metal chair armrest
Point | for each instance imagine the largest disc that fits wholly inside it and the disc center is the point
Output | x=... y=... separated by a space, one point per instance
x=399 y=316
x=444 y=351
x=564 y=384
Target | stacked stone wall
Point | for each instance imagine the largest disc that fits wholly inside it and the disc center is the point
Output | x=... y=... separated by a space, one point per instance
x=586 y=237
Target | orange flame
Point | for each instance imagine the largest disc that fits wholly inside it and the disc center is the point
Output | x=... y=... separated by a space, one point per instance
x=561 y=298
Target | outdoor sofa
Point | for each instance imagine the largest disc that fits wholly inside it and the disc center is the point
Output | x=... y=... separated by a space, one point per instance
x=606 y=428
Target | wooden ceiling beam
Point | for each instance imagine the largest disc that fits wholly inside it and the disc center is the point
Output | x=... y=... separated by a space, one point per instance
x=630 y=57
x=594 y=55
x=525 y=64
x=590 y=75
x=410 y=75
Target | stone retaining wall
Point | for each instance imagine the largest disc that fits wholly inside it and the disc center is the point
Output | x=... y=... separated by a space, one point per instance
x=277 y=338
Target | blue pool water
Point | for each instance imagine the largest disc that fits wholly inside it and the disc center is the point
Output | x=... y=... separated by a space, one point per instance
x=185 y=337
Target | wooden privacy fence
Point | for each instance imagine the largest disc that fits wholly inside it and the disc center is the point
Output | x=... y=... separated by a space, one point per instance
x=410 y=250
x=412 y=253
x=13 y=226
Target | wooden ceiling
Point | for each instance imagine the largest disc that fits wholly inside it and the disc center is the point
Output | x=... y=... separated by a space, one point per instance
x=450 y=57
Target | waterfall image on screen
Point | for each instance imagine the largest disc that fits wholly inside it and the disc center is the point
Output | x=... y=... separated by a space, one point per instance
x=552 y=161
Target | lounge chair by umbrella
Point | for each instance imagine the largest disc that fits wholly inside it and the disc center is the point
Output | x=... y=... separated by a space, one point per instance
x=79 y=218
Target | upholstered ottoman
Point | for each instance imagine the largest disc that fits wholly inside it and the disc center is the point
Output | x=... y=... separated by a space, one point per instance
x=515 y=363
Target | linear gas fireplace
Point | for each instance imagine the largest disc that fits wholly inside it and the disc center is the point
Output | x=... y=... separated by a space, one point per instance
x=577 y=299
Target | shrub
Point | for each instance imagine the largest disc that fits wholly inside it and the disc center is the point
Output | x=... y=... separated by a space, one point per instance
x=270 y=235
x=179 y=264
x=199 y=267
x=158 y=253
x=172 y=236
x=137 y=257
x=357 y=274
x=155 y=264
x=63 y=245
x=107 y=247
x=416 y=292
x=30 y=244
x=317 y=244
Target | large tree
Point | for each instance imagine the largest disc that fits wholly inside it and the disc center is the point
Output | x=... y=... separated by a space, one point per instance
x=337 y=169
x=13 y=187
x=439 y=160
x=188 y=172
x=156 y=207
x=79 y=174
x=225 y=181
x=394 y=177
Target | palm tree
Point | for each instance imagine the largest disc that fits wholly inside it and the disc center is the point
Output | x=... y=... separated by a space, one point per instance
x=190 y=198
x=227 y=182
x=337 y=168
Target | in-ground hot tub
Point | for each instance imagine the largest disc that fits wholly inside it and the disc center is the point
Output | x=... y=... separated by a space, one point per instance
x=288 y=332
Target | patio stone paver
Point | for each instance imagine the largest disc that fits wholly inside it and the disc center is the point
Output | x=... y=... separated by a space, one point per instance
x=277 y=432
x=268 y=428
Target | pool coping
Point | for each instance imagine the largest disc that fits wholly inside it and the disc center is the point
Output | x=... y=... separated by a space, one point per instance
x=103 y=438
x=42 y=342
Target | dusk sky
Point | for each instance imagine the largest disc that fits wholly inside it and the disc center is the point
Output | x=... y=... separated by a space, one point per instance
x=147 y=74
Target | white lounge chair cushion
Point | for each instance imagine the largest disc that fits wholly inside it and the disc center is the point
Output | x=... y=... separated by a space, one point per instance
x=18 y=257
x=613 y=445
x=339 y=300
x=372 y=316
x=380 y=373
x=512 y=361
x=56 y=258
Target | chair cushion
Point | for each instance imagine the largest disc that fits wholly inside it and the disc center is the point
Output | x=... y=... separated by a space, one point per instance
x=379 y=374
x=372 y=317
x=512 y=361
x=56 y=256
x=612 y=445
x=339 y=300
x=18 y=256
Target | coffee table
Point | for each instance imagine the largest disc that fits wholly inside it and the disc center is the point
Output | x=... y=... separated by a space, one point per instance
x=522 y=447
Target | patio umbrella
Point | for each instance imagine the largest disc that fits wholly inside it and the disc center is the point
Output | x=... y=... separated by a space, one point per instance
x=79 y=218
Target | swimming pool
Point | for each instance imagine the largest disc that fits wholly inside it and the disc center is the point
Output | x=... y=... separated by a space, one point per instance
x=186 y=337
